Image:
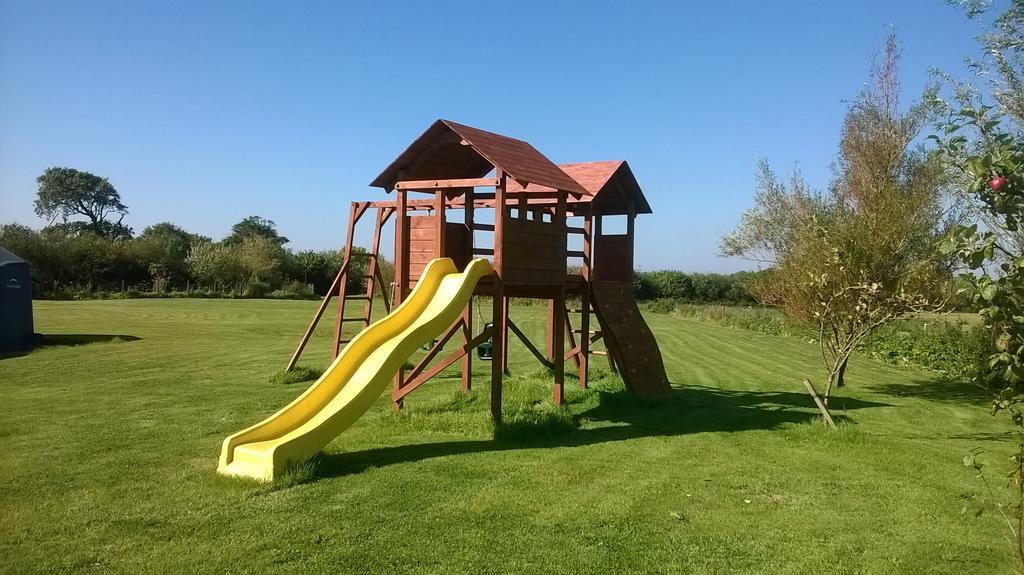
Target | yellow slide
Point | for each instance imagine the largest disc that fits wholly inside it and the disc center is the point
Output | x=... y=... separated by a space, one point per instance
x=363 y=371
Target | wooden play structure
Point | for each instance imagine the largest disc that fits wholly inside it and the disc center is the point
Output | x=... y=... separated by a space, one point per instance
x=488 y=195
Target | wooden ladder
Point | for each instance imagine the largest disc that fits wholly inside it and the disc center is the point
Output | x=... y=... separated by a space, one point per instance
x=371 y=277
x=595 y=335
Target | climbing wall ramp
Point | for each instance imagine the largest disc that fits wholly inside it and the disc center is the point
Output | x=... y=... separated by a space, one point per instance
x=629 y=339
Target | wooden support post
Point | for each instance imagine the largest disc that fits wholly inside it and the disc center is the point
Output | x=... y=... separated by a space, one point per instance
x=467 y=315
x=401 y=276
x=630 y=227
x=559 y=327
x=557 y=358
x=588 y=259
x=504 y=337
x=440 y=225
x=498 y=300
x=401 y=247
x=551 y=330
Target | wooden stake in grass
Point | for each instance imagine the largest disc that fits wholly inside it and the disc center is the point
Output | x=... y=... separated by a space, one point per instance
x=821 y=404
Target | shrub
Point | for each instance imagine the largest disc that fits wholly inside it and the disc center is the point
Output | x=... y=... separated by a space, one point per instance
x=955 y=349
x=257 y=289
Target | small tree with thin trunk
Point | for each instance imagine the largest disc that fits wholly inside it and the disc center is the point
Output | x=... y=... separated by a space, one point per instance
x=862 y=254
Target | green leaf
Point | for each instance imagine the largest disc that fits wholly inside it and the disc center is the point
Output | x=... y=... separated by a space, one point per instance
x=989 y=292
x=947 y=246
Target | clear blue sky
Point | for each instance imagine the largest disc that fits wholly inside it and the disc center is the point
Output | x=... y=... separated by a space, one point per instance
x=202 y=113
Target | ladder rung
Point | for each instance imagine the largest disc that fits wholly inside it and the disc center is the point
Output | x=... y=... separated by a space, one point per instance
x=575 y=230
x=592 y=332
x=351 y=319
x=575 y=254
x=598 y=352
x=483 y=227
x=363 y=297
x=483 y=251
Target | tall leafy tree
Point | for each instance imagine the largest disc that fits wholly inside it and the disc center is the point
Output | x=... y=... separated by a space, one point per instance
x=164 y=247
x=255 y=226
x=67 y=193
x=861 y=254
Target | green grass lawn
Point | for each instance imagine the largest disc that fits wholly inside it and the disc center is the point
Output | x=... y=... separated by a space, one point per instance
x=110 y=451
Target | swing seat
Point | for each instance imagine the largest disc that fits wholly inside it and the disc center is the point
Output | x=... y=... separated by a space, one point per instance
x=484 y=350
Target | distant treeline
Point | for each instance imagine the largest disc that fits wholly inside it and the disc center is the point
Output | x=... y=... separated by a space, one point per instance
x=166 y=260
x=693 y=287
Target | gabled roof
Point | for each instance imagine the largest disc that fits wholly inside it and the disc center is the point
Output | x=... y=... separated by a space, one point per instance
x=610 y=185
x=449 y=150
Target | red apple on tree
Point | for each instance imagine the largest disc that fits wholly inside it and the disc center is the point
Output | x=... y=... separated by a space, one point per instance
x=996 y=182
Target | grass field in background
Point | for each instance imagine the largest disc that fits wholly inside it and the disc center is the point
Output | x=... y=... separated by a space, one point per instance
x=110 y=451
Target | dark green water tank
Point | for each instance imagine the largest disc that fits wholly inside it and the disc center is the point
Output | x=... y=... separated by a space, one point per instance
x=16 y=331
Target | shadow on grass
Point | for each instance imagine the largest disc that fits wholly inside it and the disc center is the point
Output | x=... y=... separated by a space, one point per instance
x=938 y=389
x=70 y=340
x=694 y=409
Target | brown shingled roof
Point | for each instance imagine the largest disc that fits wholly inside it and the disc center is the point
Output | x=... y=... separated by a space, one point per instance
x=609 y=184
x=449 y=150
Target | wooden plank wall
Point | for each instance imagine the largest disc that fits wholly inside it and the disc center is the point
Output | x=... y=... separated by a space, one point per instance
x=533 y=252
x=423 y=244
x=612 y=258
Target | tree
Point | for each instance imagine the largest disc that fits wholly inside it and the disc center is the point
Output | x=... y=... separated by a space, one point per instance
x=986 y=144
x=847 y=261
x=255 y=226
x=215 y=265
x=260 y=258
x=66 y=192
x=163 y=248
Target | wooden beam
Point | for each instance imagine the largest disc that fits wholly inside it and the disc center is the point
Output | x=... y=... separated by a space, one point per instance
x=431 y=185
x=585 y=341
x=559 y=350
x=440 y=366
x=529 y=344
x=373 y=271
x=467 y=314
x=440 y=226
x=497 y=302
x=572 y=338
x=355 y=212
x=361 y=208
x=401 y=275
x=630 y=229
x=451 y=331
x=504 y=337
x=316 y=319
